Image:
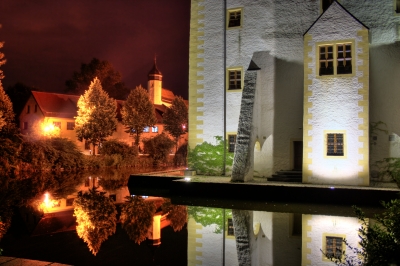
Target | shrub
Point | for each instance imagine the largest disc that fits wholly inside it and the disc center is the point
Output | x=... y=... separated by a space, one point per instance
x=45 y=154
x=114 y=146
x=159 y=147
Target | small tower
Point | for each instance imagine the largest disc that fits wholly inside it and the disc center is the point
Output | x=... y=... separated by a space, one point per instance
x=154 y=84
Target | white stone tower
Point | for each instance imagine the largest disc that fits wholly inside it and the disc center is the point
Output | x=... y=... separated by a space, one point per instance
x=154 y=84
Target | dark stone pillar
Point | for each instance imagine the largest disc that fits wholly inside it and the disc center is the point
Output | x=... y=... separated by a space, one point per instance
x=242 y=169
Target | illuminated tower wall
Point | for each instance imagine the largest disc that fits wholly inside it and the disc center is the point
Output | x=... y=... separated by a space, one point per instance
x=281 y=31
x=154 y=85
x=336 y=93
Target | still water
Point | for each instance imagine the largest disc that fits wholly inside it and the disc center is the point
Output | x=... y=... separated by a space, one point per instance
x=216 y=232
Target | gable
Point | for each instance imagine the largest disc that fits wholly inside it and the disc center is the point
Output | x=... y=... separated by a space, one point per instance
x=335 y=23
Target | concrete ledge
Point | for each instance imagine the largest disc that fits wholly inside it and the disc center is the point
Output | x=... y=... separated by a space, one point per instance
x=266 y=191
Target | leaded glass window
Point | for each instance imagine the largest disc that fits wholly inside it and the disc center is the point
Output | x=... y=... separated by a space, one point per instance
x=335 y=144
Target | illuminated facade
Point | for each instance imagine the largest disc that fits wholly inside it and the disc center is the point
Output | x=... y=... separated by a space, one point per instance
x=316 y=74
x=53 y=114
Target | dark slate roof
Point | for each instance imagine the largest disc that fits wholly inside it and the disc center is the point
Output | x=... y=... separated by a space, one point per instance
x=154 y=70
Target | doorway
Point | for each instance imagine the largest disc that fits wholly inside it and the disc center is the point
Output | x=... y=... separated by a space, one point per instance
x=297 y=155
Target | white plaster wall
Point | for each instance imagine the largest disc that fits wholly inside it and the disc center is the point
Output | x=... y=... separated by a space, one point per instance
x=213 y=100
x=321 y=224
x=335 y=104
x=378 y=16
x=385 y=97
x=273 y=26
x=278 y=27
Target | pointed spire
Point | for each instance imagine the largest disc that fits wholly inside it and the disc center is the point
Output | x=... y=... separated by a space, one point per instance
x=154 y=70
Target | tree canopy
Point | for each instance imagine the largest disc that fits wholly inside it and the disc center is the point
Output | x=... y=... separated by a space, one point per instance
x=175 y=119
x=19 y=93
x=6 y=113
x=96 y=117
x=138 y=113
x=105 y=72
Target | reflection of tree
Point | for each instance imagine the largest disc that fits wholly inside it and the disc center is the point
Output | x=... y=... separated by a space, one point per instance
x=113 y=180
x=241 y=220
x=177 y=214
x=208 y=216
x=96 y=218
x=137 y=217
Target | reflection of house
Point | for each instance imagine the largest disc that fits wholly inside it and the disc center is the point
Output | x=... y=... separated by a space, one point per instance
x=326 y=233
x=275 y=239
x=206 y=244
x=66 y=204
x=45 y=112
x=317 y=74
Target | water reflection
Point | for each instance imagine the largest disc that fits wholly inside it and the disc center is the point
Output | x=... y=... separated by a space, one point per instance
x=173 y=234
x=266 y=238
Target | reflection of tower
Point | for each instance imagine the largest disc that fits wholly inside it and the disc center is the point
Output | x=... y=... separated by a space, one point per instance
x=154 y=84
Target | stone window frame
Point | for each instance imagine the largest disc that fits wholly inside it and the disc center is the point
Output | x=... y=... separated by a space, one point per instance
x=325 y=237
x=228 y=17
x=228 y=79
x=335 y=45
x=146 y=130
x=154 y=129
x=231 y=145
x=343 y=132
x=70 y=125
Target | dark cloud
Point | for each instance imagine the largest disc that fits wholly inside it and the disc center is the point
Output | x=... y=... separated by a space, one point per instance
x=46 y=40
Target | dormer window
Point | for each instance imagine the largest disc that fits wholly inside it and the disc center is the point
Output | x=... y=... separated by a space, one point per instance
x=335 y=59
x=234 y=18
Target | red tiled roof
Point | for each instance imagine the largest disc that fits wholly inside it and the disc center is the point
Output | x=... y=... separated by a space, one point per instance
x=167 y=96
x=56 y=105
x=65 y=106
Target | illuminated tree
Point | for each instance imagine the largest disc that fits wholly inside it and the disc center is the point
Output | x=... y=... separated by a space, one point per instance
x=96 y=218
x=137 y=218
x=96 y=118
x=6 y=113
x=105 y=72
x=177 y=214
x=175 y=119
x=2 y=60
x=138 y=113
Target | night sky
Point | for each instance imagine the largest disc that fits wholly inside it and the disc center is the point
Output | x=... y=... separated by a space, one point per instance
x=47 y=40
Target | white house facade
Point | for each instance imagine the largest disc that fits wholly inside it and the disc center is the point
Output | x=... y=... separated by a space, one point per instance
x=266 y=56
